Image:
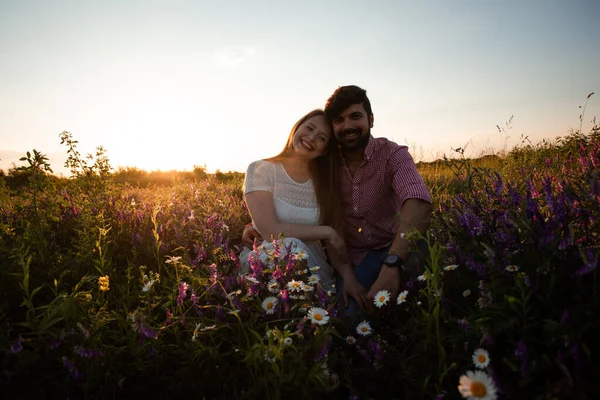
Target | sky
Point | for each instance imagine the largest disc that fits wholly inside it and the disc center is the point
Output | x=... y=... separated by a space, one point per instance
x=174 y=84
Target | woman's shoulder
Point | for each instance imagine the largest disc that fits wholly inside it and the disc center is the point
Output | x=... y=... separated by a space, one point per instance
x=258 y=165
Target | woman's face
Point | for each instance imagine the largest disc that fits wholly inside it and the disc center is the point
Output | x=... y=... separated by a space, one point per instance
x=312 y=137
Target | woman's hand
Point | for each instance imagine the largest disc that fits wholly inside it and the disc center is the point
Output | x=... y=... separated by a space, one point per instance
x=336 y=241
x=351 y=287
x=249 y=235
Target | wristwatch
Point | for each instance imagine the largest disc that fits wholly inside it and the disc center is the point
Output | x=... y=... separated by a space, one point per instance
x=393 y=260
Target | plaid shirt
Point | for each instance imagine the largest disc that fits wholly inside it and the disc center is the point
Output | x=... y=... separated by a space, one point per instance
x=373 y=198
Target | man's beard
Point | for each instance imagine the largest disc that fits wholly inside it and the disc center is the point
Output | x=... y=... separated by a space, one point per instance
x=359 y=143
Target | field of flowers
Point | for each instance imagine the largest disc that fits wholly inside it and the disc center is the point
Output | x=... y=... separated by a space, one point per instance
x=110 y=289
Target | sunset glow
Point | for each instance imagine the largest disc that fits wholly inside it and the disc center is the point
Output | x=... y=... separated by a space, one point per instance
x=201 y=83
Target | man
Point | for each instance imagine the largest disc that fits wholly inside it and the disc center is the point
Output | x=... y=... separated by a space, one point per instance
x=383 y=197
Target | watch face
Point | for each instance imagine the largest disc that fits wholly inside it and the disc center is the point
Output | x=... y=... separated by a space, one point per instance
x=391 y=259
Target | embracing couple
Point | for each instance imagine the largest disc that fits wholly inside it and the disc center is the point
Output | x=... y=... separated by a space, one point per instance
x=343 y=197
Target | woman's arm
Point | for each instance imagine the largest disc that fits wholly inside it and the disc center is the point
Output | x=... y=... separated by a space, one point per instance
x=262 y=210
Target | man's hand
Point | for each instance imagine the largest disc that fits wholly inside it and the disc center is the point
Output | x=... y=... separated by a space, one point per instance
x=249 y=235
x=388 y=279
x=352 y=287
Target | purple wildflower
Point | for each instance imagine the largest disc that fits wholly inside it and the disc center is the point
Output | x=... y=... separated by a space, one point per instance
x=16 y=347
x=464 y=323
x=73 y=371
x=183 y=287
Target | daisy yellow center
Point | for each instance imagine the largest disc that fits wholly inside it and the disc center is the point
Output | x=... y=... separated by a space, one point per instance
x=481 y=358
x=364 y=329
x=478 y=389
x=402 y=297
x=269 y=305
x=318 y=317
x=381 y=298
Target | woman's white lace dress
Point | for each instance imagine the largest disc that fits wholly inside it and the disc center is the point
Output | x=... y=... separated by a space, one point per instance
x=295 y=203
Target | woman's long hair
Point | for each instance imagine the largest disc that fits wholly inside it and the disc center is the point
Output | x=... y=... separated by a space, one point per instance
x=324 y=173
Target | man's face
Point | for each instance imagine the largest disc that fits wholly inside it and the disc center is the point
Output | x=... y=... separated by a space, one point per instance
x=352 y=128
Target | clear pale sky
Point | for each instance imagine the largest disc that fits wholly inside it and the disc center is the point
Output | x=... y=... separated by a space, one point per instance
x=173 y=84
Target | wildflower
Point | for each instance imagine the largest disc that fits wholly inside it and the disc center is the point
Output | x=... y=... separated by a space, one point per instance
x=251 y=279
x=481 y=358
x=103 y=283
x=422 y=278
x=350 y=340
x=318 y=316
x=16 y=347
x=273 y=286
x=466 y=293
x=307 y=288
x=183 y=287
x=269 y=304
x=477 y=385
x=402 y=297
x=287 y=341
x=172 y=259
x=315 y=268
x=381 y=298
x=511 y=268
x=450 y=267
x=364 y=328
x=313 y=279
x=294 y=286
x=301 y=255
x=235 y=312
x=148 y=285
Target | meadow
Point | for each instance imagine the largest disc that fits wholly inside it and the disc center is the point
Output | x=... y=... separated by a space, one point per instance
x=122 y=284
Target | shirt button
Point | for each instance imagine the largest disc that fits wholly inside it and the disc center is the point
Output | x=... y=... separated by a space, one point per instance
x=355 y=208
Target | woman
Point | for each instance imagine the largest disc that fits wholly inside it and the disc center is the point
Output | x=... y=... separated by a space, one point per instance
x=296 y=194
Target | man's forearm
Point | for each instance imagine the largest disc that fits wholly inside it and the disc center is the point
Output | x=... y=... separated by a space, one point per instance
x=415 y=213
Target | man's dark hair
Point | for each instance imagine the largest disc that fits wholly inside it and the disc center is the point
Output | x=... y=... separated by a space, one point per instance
x=344 y=97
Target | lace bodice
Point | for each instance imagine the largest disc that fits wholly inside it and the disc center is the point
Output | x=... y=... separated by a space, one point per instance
x=295 y=202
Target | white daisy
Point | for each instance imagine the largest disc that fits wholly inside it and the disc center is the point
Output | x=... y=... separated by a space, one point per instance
x=251 y=279
x=307 y=288
x=315 y=268
x=466 y=293
x=287 y=341
x=273 y=286
x=477 y=385
x=350 y=339
x=364 y=328
x=318 y=316
x=294 y=286
x=313 y=279
x=481 y=358
x=422 y=277
x=450 y=267
x=381 y=298
x=511 y=268
x=402 y=297
x=269 y=304
x=301 y=255
x=147 y=286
